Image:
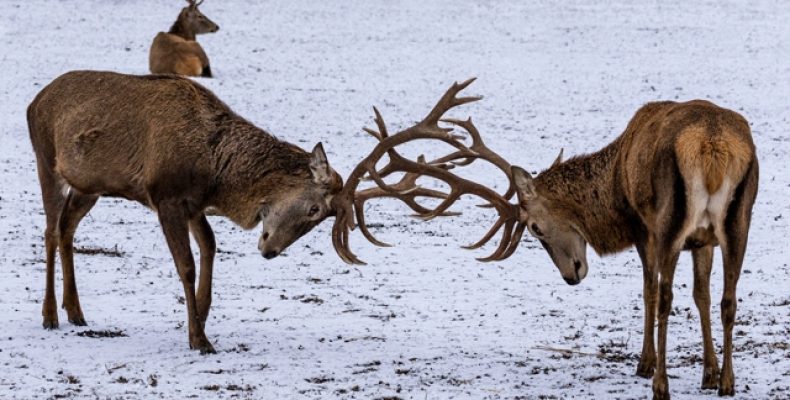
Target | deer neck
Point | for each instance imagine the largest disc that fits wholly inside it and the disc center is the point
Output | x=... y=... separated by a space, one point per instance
x=250 y=165
x=588 y=189
x=181 y=29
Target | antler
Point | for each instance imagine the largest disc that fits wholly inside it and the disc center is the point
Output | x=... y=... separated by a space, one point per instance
x=349 y=203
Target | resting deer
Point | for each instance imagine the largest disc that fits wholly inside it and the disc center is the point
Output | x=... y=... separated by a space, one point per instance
x=683 y=176
x=177 y=51
x=171 y=145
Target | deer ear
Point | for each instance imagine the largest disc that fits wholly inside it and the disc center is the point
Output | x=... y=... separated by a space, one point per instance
x=558 y=160
x=525 y=186
x=319 y=166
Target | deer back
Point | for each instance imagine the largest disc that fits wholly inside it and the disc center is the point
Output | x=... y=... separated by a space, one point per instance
x=106 y=143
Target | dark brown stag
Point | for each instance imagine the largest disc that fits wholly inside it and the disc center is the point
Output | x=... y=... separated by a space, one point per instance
x=171 y=145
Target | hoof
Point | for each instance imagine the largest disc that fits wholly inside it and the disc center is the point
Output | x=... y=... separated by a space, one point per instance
x=660 y=389
x=710 y=378
x=78 y=321
x=726 y=391
x=203 y=345
x=660 y=396
x=645 y=370
x=660 y=393
x=726 y=382
x=50 y=324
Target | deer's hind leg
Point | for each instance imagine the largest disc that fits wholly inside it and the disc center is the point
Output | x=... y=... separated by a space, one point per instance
x=53 y=199
x=703 y=262
x=74 y=209
x=666 y=262
x=733 y=247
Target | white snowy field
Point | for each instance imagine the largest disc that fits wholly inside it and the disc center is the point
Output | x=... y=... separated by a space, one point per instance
x=423 y=320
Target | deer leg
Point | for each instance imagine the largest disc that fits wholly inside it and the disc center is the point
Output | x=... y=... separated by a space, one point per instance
x=647 y=361
x=666 y=264
x=175 y=225
x=733 y=251
x=76 y=207
x=49 y=309
x=53 y=200
x=703 y=261
x=733 y=260
x=733 y=240
x=201 y=230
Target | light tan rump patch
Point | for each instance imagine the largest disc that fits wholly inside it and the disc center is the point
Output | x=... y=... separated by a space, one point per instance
x=716 y=156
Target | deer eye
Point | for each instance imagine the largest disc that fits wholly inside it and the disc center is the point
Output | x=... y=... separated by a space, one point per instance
x=313 y=211
x=536 y=230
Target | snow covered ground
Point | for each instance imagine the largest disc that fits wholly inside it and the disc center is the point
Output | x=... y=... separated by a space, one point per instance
x=423 y=320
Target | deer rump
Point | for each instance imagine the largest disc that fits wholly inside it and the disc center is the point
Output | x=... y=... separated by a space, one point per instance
x=694 y=150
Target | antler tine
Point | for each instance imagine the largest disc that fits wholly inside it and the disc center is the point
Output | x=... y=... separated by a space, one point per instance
x=487 y=237
x=448 y=101
x=507 y=233
x=340 y=239
x=406 y=190
x=514 y=241
x=483 y=151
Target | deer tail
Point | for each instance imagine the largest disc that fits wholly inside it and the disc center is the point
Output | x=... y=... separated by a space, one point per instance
x=716 y=156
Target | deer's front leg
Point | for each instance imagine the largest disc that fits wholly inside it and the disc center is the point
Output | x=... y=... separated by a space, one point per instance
x=204 y=236
x=175 y=221
x=647 y=361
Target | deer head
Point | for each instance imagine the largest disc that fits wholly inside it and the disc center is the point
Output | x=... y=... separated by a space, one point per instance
x=193 y=21
x=550 y=224
x=298 y=206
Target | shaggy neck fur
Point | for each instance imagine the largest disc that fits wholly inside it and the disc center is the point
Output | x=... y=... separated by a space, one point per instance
x=180 y=29
x=586 y=189
x=250 y=166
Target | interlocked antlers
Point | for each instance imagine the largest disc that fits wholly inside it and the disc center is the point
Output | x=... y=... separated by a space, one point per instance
x=349 y=203
x=194 y=4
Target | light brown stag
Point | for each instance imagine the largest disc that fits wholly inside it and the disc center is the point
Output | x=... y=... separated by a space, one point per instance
x=172 y=145
x=177 y=51
x=683 y=176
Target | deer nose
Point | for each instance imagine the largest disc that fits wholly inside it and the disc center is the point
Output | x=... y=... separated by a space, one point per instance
x=270 y=254
x=572 y=281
